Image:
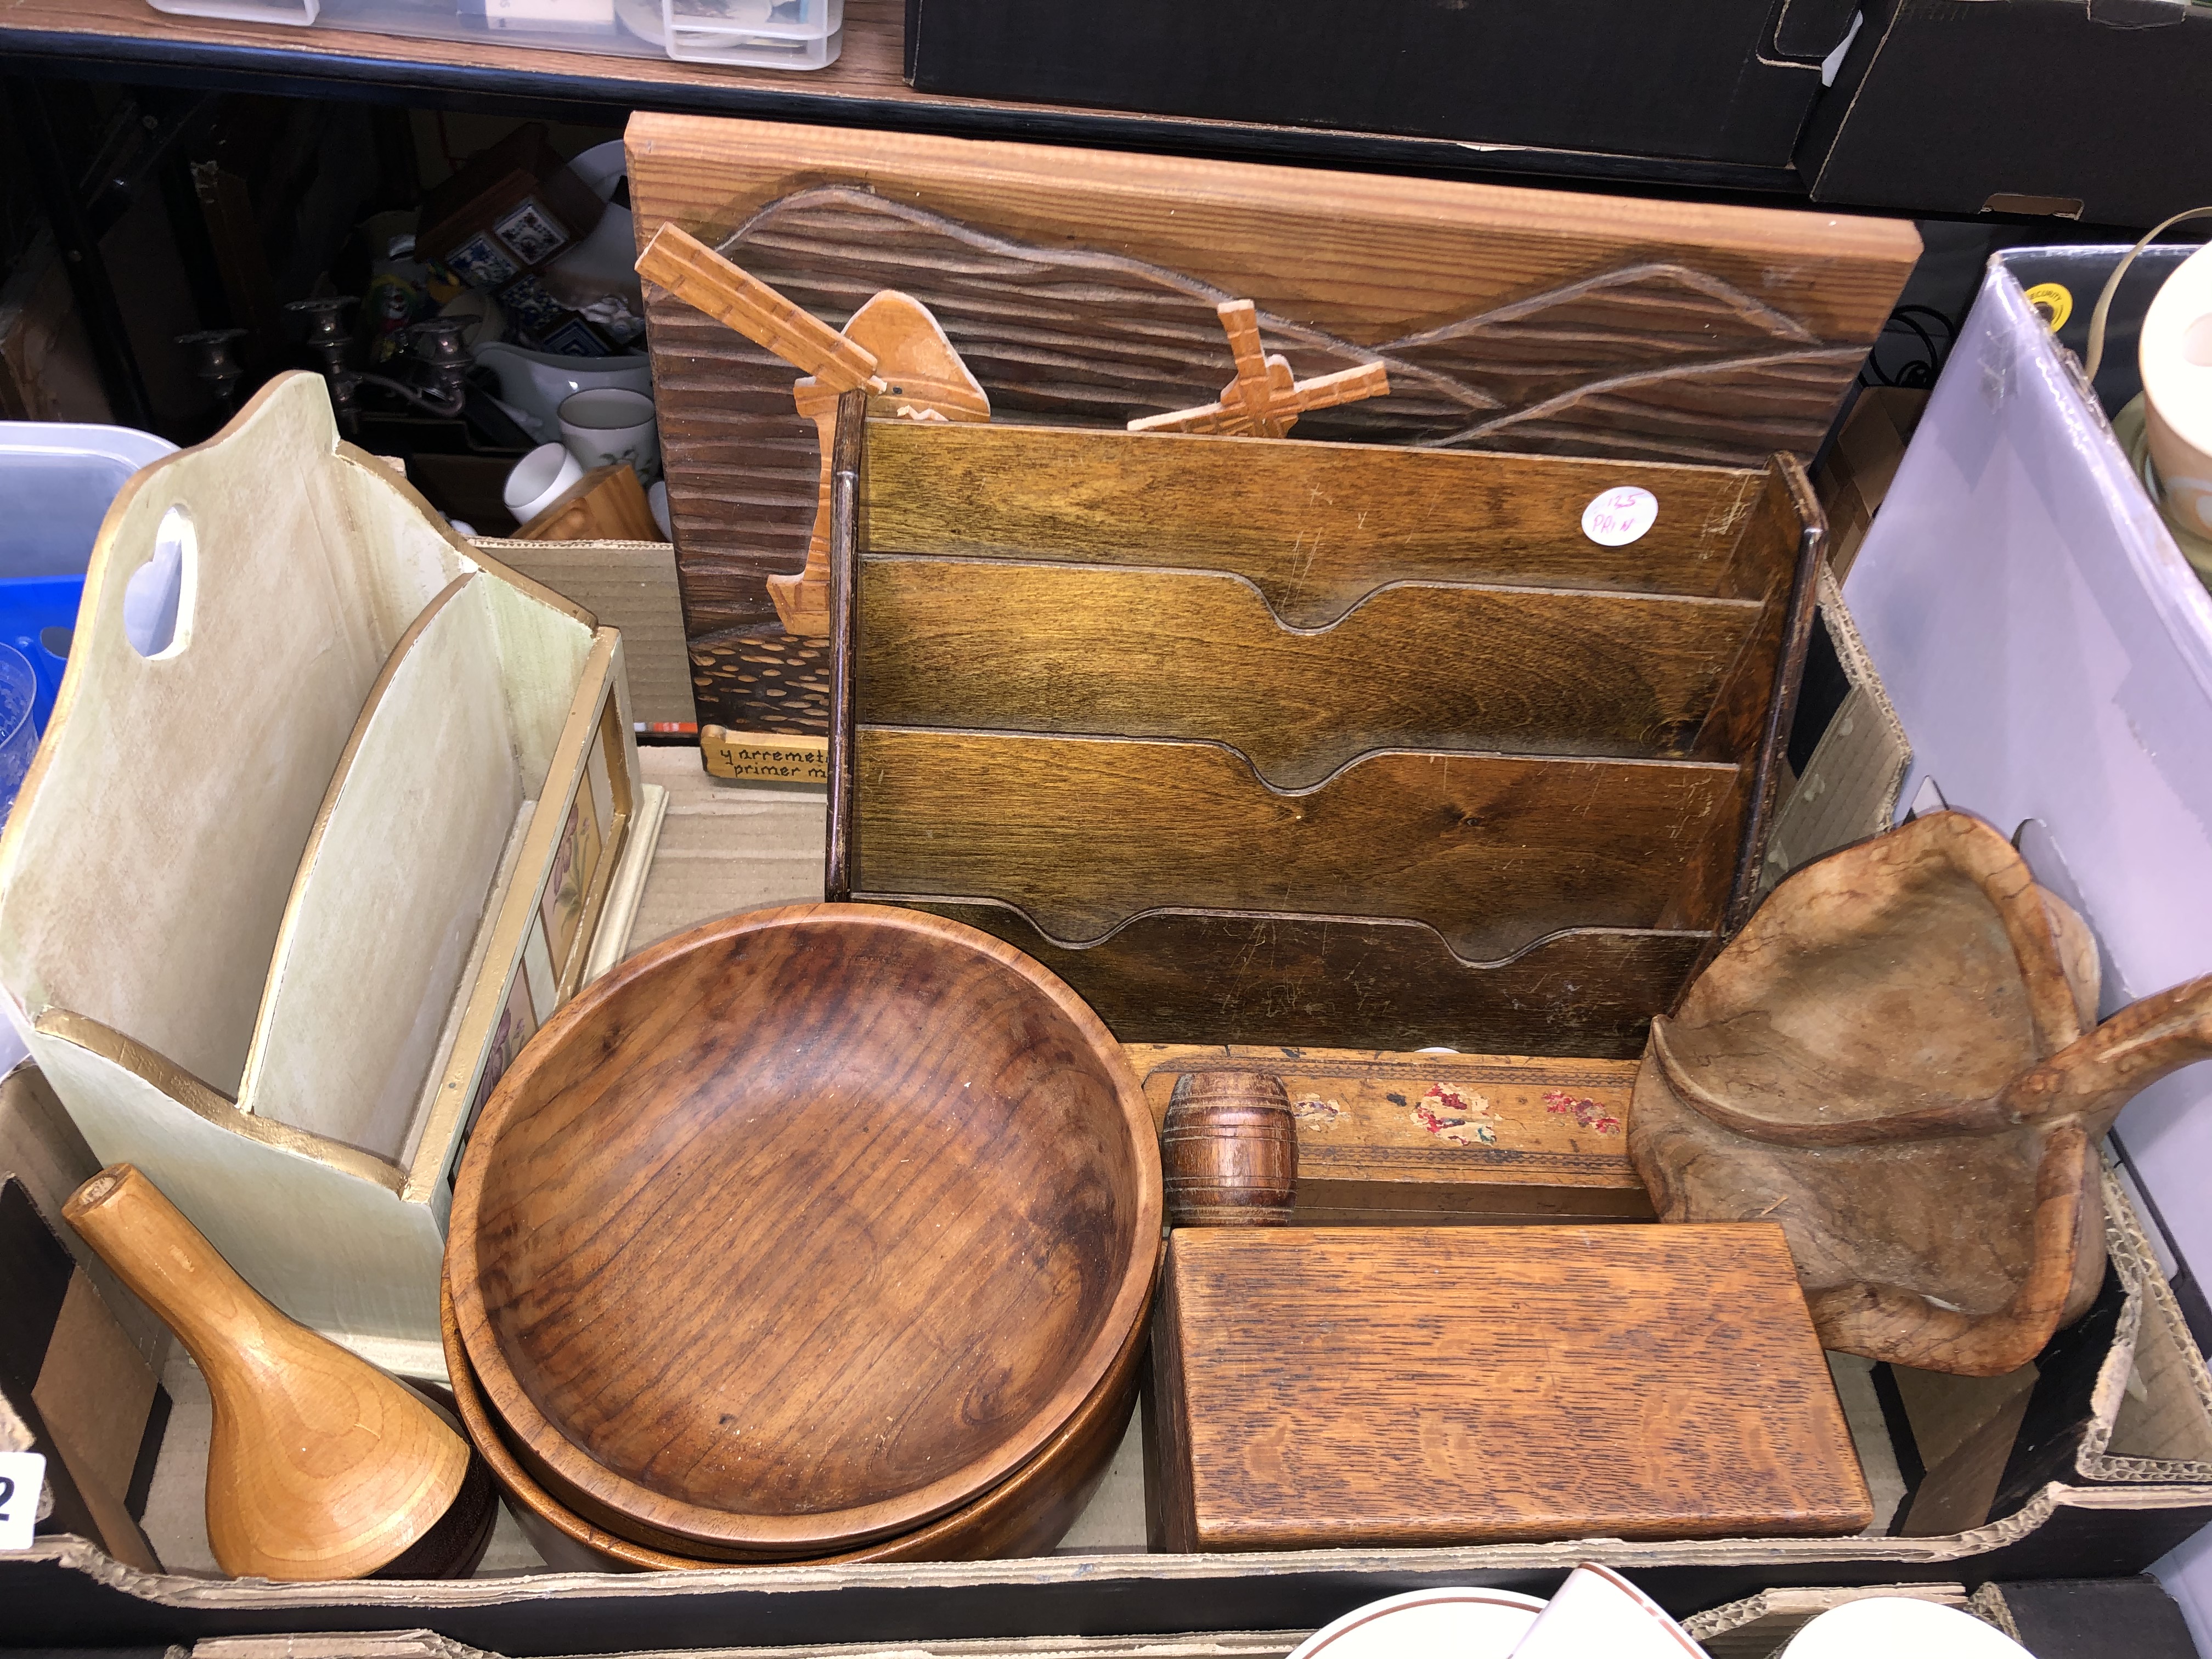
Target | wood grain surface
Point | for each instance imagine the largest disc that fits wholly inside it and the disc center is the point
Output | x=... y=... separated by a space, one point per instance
x=1331 y=1387
x=1372 y=256
x=1206 y=976
x=1895 y=1060
x=1389 y=1138
x=741 y=302
x=764 y=679
x=871 y=1207
x=1265 y=399
x=1315 y=527
x=1494 y=852
x=922 y=378
x=1080 y=286
x=1750 y=717
x=320 y=1466
x=1114 y=652
x=1026 y=1514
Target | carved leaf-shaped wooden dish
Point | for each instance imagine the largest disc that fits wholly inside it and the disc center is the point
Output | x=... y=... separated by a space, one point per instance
x=1896 y=1059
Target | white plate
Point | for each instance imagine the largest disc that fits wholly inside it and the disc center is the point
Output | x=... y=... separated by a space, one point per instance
x=1598 y=1614
x=1896 y=1627
x=1433 y=1624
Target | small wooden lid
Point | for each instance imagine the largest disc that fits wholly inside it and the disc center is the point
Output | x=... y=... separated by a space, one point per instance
x=803 y=1228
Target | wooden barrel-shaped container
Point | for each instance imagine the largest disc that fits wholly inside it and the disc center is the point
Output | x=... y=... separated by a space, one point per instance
x=1229 y=1150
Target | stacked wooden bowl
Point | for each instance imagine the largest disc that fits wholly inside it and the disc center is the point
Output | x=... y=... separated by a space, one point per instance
x=821 y=1233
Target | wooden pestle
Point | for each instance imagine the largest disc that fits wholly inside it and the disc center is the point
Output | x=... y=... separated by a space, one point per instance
x=320 y=1466
x=1229 y=1150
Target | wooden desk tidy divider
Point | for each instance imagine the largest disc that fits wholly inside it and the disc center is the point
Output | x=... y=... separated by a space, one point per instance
x=1218 y=727
x=400 y=785
x=320 y=1466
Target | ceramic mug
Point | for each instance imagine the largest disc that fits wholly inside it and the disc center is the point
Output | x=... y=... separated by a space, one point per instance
x=609 y=424
x=538 y=480
x=657 y=499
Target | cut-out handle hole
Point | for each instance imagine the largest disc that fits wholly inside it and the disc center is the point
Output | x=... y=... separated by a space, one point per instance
x=2197 y=342
x=157 y=600
x=56 y=641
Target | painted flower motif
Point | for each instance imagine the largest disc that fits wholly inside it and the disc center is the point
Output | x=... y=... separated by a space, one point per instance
x=1586 y=1113
x=1450 y=1099
x=1319 y=1112
x=1454 y=1128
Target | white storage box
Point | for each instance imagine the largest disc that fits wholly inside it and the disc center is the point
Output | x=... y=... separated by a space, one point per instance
x=280 y=900
x=793 y=34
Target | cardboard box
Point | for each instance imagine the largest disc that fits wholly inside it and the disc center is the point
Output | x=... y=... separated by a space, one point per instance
x=629 y=586
x=2082 y=109
x=1716 y=81
x=2116 y=1472
x=1750 y=1628
x=2122 y=1462
x=2126 y=1473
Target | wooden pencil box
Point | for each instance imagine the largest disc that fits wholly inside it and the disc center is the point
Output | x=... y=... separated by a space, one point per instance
x=1263 y=741
x=279 y=902
x=1325 y=1387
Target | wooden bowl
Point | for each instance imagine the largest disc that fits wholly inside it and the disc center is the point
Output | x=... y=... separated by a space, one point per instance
x=801 y=1230
x=1026 y=1514
x=1896 y=1059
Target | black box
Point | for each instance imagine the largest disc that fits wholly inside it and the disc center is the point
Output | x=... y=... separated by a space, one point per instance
x=1705 y=80
x=2087 y=109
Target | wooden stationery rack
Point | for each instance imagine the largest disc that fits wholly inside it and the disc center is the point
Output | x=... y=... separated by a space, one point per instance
x=281 y=967
x=1265 y=741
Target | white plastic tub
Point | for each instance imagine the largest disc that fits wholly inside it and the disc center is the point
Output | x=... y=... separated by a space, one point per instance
x=793 y=34
x=2049 y=651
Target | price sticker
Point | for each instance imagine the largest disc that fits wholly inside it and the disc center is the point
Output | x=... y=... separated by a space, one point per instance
x=23 y=1477
x=1619 y=516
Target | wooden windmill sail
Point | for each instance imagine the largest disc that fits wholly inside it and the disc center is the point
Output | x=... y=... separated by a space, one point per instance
x=1265 y=400
x=892 y=348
